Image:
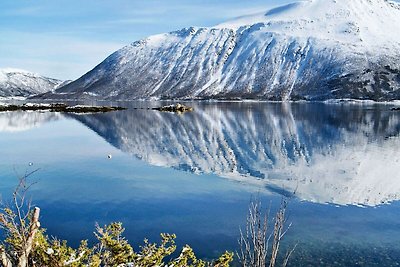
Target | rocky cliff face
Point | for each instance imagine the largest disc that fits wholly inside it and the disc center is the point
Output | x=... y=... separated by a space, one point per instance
x=313 y=50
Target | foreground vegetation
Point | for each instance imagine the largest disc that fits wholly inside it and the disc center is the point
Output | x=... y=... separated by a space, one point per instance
x=111 y=249
x=26 y=243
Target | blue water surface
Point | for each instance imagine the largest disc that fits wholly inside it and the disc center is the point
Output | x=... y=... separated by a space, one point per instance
x=194 y=174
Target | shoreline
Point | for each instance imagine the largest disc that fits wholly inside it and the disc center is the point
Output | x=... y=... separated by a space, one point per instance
x=58 y=107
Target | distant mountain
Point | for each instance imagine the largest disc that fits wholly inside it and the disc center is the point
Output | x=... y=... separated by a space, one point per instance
x=312 y=50
x=324 y=153
x=15 y=82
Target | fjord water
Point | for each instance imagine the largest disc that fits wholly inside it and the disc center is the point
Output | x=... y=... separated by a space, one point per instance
x=193 y=174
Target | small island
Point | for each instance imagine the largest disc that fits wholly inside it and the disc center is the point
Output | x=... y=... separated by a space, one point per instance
x=58 y=107
x=174 y=108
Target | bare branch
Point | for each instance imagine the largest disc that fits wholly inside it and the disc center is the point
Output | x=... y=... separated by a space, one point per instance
x=20 y=223
x=286 y=260
x=254 y=243
x=5 y=260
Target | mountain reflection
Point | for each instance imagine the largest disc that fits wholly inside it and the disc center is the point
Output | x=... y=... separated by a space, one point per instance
x=341 y=154
x=19 y=121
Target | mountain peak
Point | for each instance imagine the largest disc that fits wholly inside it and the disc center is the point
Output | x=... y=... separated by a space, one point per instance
x=22 y=83
x=5 y=72
x=355 y=21
x=14 y=70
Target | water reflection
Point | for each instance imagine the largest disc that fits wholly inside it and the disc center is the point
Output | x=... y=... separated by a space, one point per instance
x=341 y=154
x=19 y=121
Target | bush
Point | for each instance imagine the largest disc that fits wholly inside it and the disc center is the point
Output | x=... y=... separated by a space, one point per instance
x=26 y=244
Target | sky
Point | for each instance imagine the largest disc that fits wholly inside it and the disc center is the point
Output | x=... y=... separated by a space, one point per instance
x=66 y=38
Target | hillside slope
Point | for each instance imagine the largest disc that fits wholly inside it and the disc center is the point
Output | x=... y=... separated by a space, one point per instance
x=313 y=50
x=21 y=83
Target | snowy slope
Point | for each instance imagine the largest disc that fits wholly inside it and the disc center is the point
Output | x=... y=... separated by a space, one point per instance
x=15 y=82
x=308 y=149
x=314 y=50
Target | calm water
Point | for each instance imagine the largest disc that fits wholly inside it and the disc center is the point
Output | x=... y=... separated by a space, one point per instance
x=193 y=174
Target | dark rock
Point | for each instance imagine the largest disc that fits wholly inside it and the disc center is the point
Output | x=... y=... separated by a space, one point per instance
x=59 y=107
x=174 y=108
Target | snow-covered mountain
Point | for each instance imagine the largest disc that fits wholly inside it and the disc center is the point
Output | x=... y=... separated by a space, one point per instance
x=315 y=50
x=325 y=153
x=16 y=82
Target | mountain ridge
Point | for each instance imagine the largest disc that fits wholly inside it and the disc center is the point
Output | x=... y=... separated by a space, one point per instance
x=307 y=50
x=22 y=83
